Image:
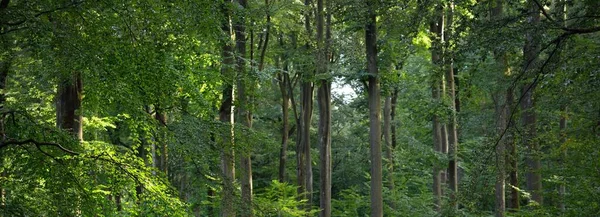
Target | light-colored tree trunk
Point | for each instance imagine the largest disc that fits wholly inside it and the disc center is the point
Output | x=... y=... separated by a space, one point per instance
x=374 y=91
x=452 y=122
x=436 y=27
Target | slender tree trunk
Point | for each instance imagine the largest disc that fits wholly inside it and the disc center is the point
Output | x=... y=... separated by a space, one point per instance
x=512 y=159
x=531 y=49
x=374 y=112
x=304 y=159
x=452 y=124
x=266 y=43
x=436 y=27
x=285 y=100
x=4 y=68
x=324 y=104
x=387 y=136
x=563 y=138
x=393 y=118
x=161 y=117
x=225 y=110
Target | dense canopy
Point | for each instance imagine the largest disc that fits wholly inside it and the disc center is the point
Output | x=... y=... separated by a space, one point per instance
x=300 y=108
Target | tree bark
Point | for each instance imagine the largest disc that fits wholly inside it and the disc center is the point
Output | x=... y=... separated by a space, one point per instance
x=225 y=110
x=502 y=115
x=68 y=114
x=453 y=122
x=387 y=136
x=394 y=102
x=4 y=69
x=243 y=113
x=563 y=138
x=436 y=27
x=305 y=176
x=285 y=100
x=324 y=104
x=374 y=112
x=528 y=116
x=161 y=117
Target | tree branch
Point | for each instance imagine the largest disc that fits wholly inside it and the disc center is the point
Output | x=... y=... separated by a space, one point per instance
x=564 y=28
x=37 y=144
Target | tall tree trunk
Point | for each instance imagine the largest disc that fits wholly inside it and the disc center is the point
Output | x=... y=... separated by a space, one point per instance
x=387 y=136
x=305 y=176
x=374 y=111
x=513 y=177
x=436 y=27
x=502 y=120
x=225 y=110
x=283 y=79
x=4 y=68
x=324 y=104
x=243 y=113
x=563 y=138
x=452 y=124
x=530 y=51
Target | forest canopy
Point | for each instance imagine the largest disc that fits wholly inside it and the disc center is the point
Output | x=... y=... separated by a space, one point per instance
x=300 y=108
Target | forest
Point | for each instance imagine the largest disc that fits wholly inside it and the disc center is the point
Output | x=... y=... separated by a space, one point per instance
x=300 y=108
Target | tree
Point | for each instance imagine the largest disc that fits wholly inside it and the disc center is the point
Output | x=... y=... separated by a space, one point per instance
x=304 y=162
x=225 y=110
x=374 y=111
x=528 y=116
x=324 y=103
x=436 y=27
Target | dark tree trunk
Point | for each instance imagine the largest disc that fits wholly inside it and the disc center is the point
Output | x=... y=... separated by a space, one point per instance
x=305 y=176
x=243 y=113
x=68 y=114
x=374 y=112
x=324 y=104
x=532 y=158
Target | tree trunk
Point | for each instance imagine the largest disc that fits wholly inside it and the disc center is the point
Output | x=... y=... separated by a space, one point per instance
x=243 y=113
x=394 y=102
x=285 y=100
x=530 y=50
x=501 y=125
x=512 y=159
x=68 y=114
x=324 y=104
x=436 y=27
x=452 y=124
x=161 y=117
x=374 y=112
x=563 y=138
x=387 y=136
x=303 y=150
x=225 y=110
x=4 y=68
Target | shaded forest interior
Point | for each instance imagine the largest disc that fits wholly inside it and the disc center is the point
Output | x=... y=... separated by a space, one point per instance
x=300 y=108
